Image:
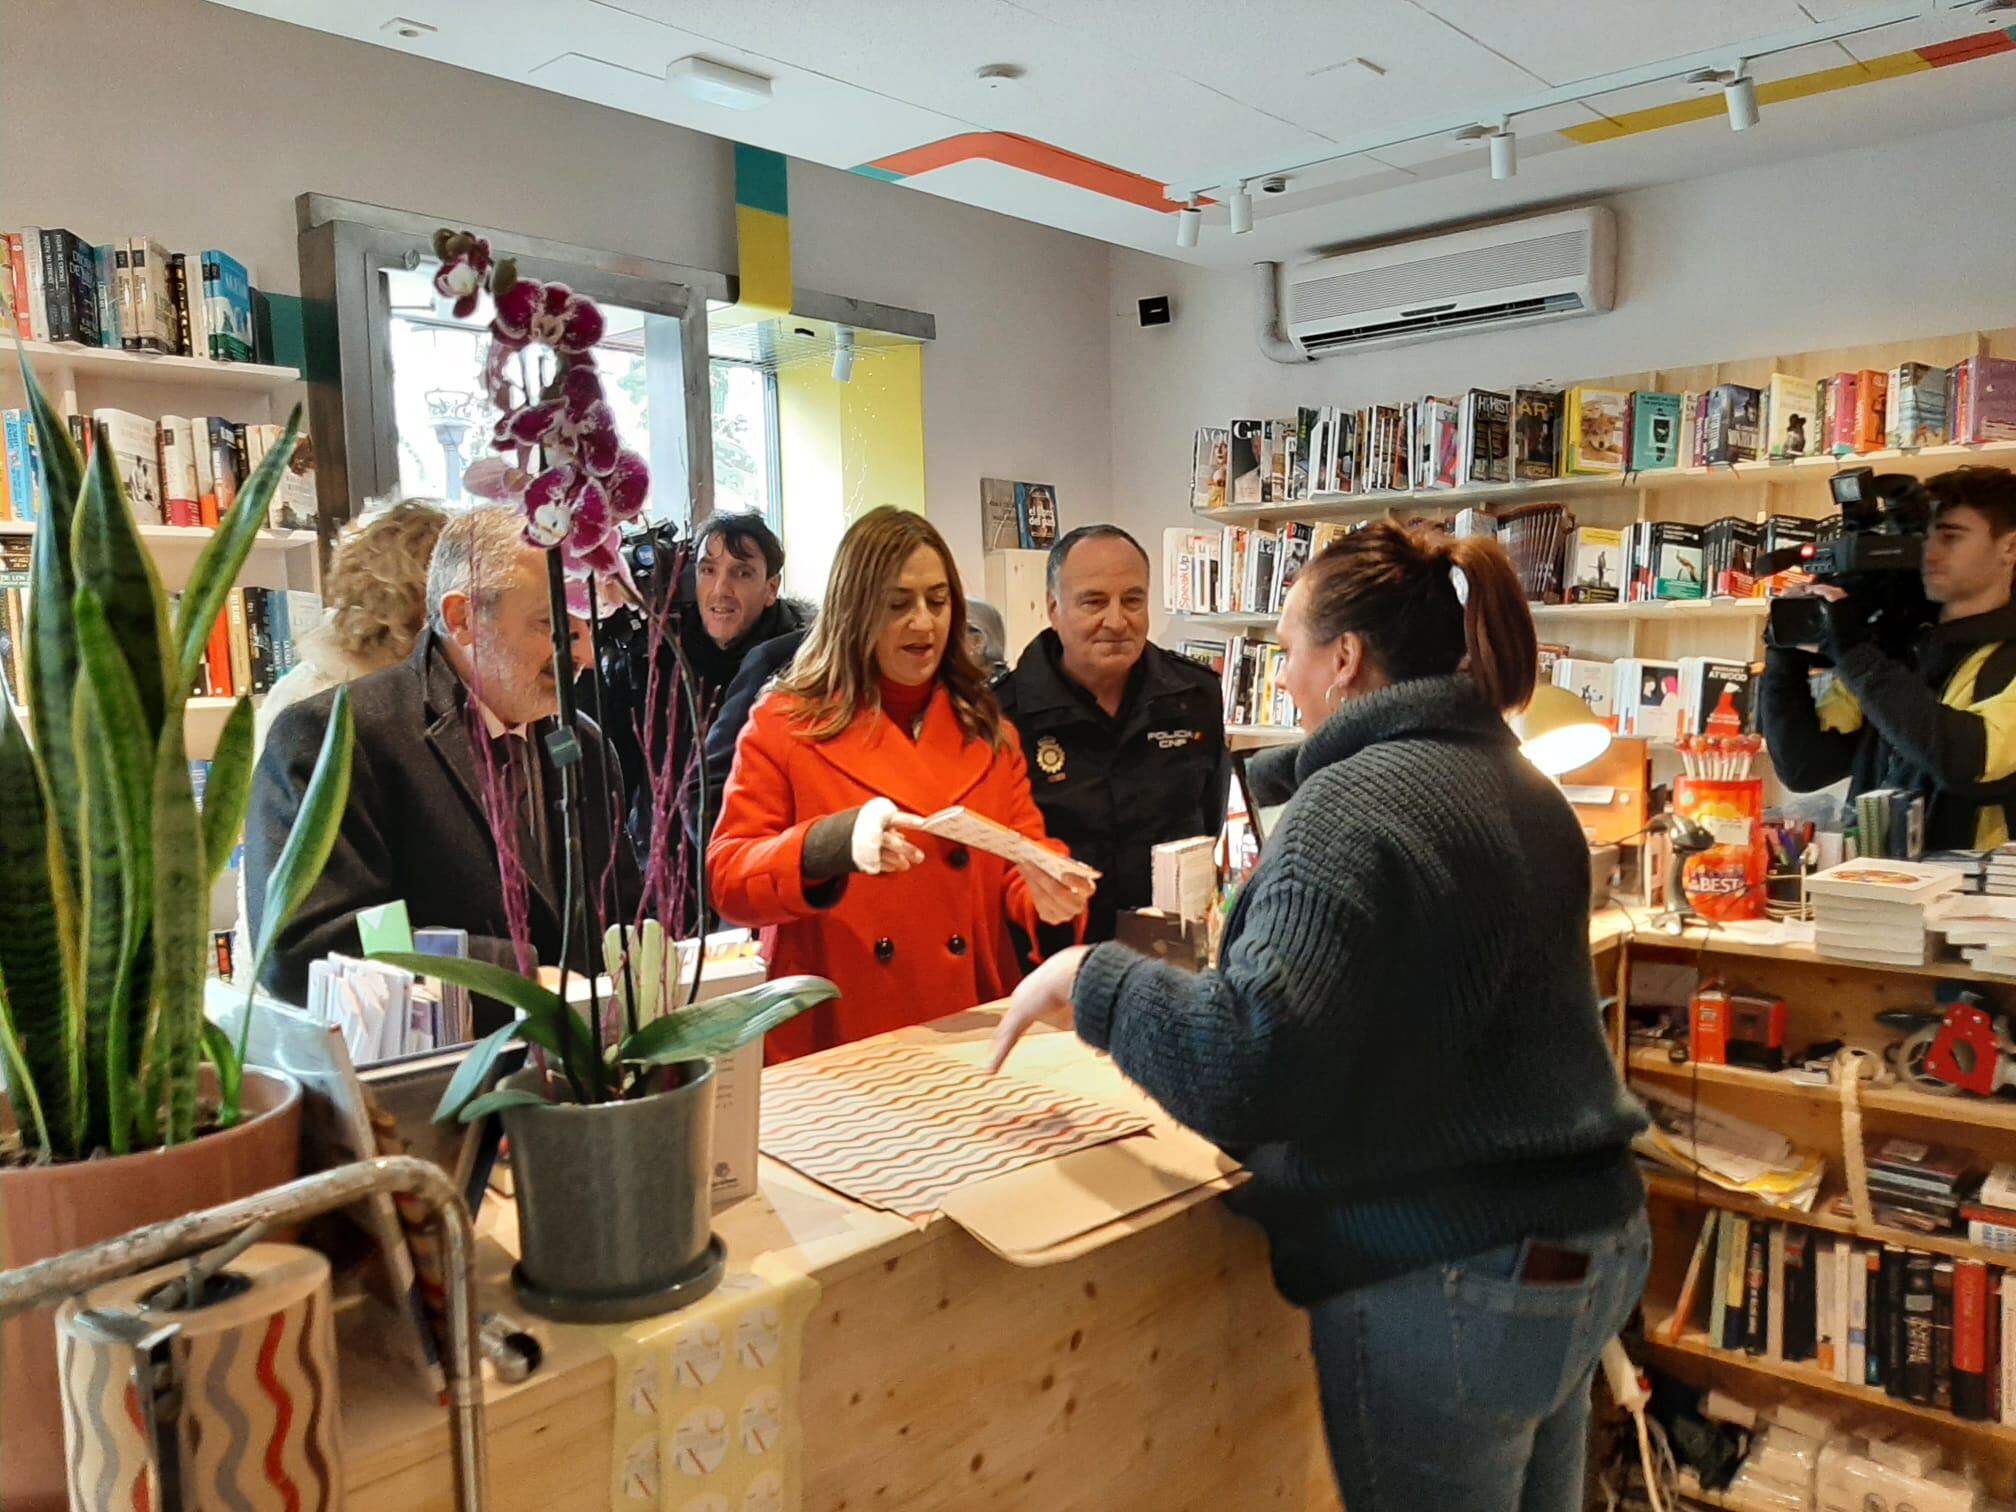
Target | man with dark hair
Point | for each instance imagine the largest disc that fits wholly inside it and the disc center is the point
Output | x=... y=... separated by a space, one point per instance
x=1943 y=724
x=725 y=604
x=1125 y=741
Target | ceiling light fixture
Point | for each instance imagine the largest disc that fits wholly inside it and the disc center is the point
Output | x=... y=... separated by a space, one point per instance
x=407 y=27
x=1189 y=221
x=1241 y=207
x=718 y=84
x=1504 y=153
x=1739 y=97
x=994 y=75
x=843 y=354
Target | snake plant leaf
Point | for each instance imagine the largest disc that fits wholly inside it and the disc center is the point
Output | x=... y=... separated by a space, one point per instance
x=181 y=932
x=51 y=651
x=223 y=556
x=38 y=932
x=724 y=1024
x=111 y=560
x=20 y=1084
x=548 y=1023
x=118 y=844
x=228 y=791
x=473 y=1072
x=222 y=1054
x=313 y=835
x=503 y=1097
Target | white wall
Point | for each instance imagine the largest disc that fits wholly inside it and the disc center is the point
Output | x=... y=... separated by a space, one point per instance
x=198 y=124
x=1914 y=238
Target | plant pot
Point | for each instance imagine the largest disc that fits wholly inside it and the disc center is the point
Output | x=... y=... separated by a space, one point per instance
x=613 y=1202
x=49 y=1210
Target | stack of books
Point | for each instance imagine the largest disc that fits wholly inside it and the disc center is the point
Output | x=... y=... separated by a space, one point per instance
x=1915 y=1185
x=1991 y=1216
x=2000 y=872
x=1874 y=910
x=1982 y=929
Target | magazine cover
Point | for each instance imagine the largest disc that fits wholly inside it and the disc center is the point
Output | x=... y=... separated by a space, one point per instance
x=1036 y=515
x=1243 y=467
x=1208 y=480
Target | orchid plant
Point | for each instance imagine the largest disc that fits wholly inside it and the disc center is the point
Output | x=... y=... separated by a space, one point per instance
x=561 y=462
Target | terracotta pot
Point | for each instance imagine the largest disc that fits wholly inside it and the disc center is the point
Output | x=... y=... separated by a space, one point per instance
x=47 y=1210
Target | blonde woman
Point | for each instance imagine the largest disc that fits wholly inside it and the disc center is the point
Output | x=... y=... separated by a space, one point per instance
x=375 y=603
x=886 y=708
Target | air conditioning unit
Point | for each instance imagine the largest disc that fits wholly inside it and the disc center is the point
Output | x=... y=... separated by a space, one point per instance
x=1545 y=267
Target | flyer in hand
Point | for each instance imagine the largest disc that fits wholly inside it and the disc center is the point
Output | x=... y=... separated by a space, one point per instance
x=961 y=826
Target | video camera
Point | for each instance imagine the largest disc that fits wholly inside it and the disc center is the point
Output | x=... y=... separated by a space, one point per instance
x=1875 y=552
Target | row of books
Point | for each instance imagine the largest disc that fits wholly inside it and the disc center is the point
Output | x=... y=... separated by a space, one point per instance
x=1249 y=671
x=1646 y=561
x=176 y=471
x=1531 y=434
x=256 y=641
x=1937 y=1332
x=132 y=295
x=1234 y=569
x=1651 y=699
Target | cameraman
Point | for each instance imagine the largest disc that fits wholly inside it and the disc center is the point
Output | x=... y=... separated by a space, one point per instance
x=1943 y=724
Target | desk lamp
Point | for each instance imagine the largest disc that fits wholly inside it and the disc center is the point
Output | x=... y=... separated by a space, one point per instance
x=1558 y=732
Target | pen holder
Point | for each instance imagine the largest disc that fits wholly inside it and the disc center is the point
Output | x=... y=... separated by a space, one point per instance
x=1726 y=881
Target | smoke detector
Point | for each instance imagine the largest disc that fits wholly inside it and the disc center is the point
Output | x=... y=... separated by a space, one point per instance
x=408 y=28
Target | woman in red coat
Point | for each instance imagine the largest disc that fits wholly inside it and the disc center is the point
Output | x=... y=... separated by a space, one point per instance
x=885 y=713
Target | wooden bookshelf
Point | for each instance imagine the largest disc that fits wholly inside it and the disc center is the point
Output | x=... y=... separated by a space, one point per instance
x=202 y=722
x=1255 y=737
x=1806 y=1375
x=54 y=360
x=1344 y=508
x=1962 y=1109
x=1715 y=942
x=191 y=537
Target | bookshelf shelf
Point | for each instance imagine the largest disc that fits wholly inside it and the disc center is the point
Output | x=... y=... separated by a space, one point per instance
x=194 y=537
x=1251 y=737
x=1345 y=507
x=1721 y=942
x=202 y=721
x=1802 y=1373
x=1677 y=1188
x=51 y=359
x=1662 y=609
x=1974 y=1112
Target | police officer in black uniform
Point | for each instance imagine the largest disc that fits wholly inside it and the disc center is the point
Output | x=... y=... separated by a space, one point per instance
x=1125 y=741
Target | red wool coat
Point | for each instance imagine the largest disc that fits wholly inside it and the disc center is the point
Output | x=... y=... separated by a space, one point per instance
x=905 y=947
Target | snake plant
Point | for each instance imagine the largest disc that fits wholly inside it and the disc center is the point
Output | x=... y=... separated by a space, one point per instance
x=106 y=859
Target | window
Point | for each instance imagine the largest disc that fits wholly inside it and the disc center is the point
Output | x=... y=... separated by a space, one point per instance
x=746 y=470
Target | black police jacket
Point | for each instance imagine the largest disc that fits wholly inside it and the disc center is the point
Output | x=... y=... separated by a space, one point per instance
x=1114 y=787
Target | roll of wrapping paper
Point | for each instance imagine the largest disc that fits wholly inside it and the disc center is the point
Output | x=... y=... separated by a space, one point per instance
x=245 y=1391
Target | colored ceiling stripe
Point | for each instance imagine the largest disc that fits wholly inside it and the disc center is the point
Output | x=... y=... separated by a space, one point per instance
x=1799 y=86
x=1031 y=156
x=762 y=234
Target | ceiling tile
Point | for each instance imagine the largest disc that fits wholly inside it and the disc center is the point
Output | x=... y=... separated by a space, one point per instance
x=1566 y=40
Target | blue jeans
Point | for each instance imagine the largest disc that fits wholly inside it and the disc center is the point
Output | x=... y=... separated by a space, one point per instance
x=1459 y=1388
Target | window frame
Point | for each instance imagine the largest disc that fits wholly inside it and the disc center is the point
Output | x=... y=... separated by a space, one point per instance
x=773 y=448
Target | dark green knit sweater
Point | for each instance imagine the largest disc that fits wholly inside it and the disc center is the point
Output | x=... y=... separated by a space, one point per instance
x=1402 y=1041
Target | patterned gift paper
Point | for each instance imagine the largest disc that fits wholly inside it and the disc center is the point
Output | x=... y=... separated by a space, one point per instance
x=901 y=1127
x=707 y=1399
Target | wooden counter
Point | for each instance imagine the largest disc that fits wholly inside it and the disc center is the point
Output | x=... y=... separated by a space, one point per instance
x=1159 y=1371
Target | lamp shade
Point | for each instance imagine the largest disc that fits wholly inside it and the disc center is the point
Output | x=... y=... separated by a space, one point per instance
x=1558 y=732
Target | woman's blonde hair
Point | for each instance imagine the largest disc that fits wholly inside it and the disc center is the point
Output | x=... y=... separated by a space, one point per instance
x=835 y=673
x=376 y=585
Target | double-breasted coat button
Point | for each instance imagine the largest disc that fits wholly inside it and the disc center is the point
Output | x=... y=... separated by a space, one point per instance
x=957 y=945
x=885 y=950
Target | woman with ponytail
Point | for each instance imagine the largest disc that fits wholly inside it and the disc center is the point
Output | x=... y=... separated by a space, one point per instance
x=1402 y=1043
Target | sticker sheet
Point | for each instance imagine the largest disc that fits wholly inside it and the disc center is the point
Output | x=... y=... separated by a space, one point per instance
x=902 y=1127
x=707 y=1400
